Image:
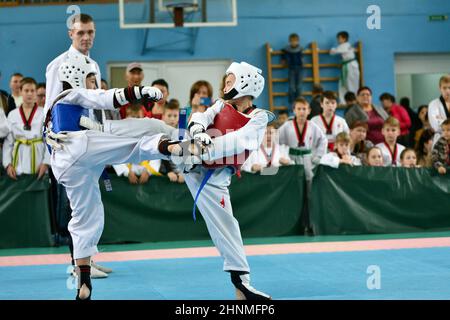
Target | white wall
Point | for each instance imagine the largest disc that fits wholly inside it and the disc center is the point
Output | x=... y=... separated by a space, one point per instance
x=417 y=76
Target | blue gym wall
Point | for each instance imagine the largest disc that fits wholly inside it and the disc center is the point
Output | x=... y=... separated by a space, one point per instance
x=32 y=36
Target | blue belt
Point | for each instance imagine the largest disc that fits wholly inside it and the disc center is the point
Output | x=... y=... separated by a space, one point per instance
x=204 y=182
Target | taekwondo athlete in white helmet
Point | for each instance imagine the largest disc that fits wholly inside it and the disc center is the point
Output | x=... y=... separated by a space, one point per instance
x=78 y=156
x=222 y=157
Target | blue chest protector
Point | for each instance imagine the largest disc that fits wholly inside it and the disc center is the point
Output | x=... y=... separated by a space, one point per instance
x=66 y=117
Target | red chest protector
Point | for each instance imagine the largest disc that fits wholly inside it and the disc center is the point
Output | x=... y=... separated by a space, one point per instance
x=228 y=120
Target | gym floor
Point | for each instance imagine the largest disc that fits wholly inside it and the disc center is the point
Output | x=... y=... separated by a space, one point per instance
x=382 y=267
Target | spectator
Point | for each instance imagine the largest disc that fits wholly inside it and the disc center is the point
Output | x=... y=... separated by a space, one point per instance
x=14 y=85
x=108 y=114
x=422 y=113
x=222 y=86
x=441 y=149
x=316 y=108
x=350 y=99
x=349 y=80
x=358 y=143
x=439 y=109
x=283 y=116
x=170 y=117
x=6 y=101
x=390 y=148
x=408 y=158
x=200 y=98
x=341 y=153
x=134 y=75
x=328 y=121
x=292 y=56
x=270 y=154
x=40 y=94
x=397 y=111
x=424 y=149
x=374 y=157
x=303 y=137
x=415 y=122
x=4 y=128
x=24 y=151
x=367 y=112
x=158 y=107
x=104 y=84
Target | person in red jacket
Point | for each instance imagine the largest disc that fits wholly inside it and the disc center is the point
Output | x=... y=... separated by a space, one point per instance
x=397 y=111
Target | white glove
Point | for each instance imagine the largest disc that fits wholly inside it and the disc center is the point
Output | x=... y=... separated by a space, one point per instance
x=152 y=93
x=195 y=129
x=204 y=138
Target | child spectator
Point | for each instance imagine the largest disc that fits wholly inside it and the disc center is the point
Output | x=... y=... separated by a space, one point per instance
x=24 y=151
x=397 y=111
x=374 y=157
x=441 y=149
x=439 y=109
x=293 y=57
x=6 y=100
x=170 y=117
x=171 y=113
x=424 y=148
x=408 y=158
x=269 y=154
x=350 y=99
x=349 y=80
x=316 y=109
x=158 y=107
x=358 y=143
x=390 y=148
x=328 y=121
x=200 y=98
x=283 y=116
x=306 y=141
x=40 y=94
x=341 y=153
x=104 y=84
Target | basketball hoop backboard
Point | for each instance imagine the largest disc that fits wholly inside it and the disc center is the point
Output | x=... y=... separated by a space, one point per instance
x=146 y=14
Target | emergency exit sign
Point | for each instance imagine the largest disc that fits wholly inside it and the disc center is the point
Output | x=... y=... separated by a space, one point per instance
x=438 y=18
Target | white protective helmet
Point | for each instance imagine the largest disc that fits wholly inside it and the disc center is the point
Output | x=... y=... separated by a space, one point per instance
x=75 y=69
x=249 y=81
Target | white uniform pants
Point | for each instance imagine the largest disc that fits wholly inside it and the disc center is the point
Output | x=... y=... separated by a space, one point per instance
x=80 y=178
x=215 y=206
x=351 y=83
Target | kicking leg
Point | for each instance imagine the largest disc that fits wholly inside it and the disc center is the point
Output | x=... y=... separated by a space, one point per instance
x=215 y=206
